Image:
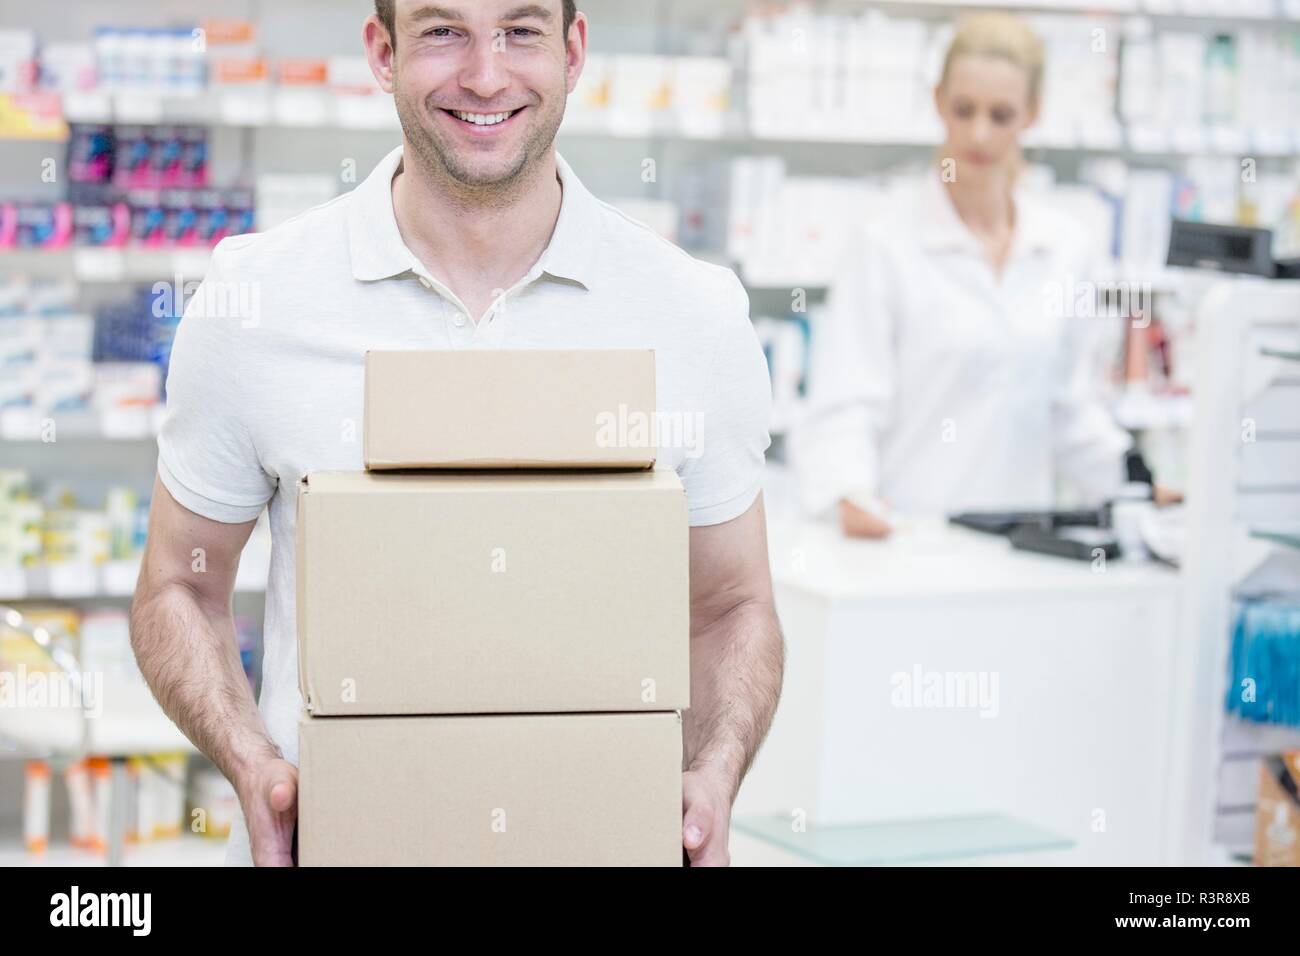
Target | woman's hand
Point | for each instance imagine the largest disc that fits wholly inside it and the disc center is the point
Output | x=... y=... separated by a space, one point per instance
x=1164 y=495
x=859 y=523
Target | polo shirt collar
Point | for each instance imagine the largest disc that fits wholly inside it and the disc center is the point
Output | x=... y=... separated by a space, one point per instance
x=378 y=251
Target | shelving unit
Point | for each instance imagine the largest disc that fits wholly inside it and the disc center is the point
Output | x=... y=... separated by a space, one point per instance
x=1235 y=541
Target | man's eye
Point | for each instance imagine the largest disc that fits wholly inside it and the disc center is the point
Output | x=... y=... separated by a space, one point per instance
x=439 y=32
x=523 y=32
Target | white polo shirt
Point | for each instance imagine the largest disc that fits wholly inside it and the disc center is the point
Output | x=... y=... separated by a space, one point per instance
x=265 y=383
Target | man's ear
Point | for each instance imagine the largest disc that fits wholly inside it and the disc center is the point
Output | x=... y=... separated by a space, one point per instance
x=379 y=51
x=576 y=50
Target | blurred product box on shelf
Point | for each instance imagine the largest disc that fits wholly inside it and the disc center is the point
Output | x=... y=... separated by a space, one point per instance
x=281 y=196
x=492 y=593
x=497 y=790
x=1277 y=817
x=167 y=60
x=18 y=64
x=302 y=72
x=240 y=72
x=585 y=408
x=77 y=542
x=230 y=34
x=351 y=75
x=68 y=67
x=35 y=225
x=45 y=349
x=153 y=800
x=126 y=386
x=213 y=804
x=629 y=94
x=21 y=519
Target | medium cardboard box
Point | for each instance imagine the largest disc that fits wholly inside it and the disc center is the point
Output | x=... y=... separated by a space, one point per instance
x=490 y=408
x=493 y=593
x=497 y=790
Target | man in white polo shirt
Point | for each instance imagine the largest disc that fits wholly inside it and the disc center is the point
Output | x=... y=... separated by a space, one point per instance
x=473 y=234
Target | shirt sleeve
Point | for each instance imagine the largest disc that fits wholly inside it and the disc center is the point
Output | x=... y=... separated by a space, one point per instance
x=724 y=479
x=835 y=449
x=206 y=457
x=1088 y=445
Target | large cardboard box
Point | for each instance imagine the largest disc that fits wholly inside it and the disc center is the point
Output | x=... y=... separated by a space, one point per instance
x=490 y=408
x=493 y=593
x=497 y=790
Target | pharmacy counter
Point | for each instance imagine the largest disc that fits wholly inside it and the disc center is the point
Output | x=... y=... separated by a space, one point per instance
x=941 y=674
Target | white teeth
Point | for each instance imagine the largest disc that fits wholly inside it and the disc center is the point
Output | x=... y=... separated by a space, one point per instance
x=481 y=119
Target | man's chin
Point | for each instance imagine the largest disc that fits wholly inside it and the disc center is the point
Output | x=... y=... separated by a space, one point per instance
x=483 y=171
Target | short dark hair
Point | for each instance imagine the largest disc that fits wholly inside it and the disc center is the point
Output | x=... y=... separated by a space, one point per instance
x=384 y=9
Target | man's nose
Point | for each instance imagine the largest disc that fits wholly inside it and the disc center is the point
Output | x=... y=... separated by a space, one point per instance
x=485 y=72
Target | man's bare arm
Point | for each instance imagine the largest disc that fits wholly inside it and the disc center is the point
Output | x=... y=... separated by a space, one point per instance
x=183 y=634
x=737 y=663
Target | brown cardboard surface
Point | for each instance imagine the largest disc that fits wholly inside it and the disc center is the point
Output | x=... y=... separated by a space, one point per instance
x=1277 y=816
x=499 y=408
x=498 y=790
x=493 y=593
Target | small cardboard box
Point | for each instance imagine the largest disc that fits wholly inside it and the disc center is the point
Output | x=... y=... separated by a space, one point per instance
x=497 y=790
x=493 y=593
x=490 y=408
x=1277 y=817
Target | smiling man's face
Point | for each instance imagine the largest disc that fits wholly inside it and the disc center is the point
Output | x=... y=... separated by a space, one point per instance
x=480 y=85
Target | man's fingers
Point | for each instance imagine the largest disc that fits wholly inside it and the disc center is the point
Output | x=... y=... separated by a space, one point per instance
x=696 y=826
x=283 y=793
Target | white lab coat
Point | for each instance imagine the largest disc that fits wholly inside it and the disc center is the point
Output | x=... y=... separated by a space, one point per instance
x=940 y=387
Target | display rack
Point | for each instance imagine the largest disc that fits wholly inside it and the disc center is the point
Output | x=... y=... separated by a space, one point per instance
x=1243 y=518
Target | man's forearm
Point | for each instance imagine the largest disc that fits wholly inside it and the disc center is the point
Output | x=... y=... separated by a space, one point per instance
x=737 y=664
x=189 y=655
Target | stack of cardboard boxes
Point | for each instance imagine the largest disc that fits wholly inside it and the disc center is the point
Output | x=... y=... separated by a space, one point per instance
x=493 y=621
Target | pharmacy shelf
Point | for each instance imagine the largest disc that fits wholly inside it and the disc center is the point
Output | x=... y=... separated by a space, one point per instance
x=83 y=581
x=1246 y=11
x=126 y=425
x=151 y=265
x=122 y=264
x=299 y=109
x=289 y=107
x=1291 y=355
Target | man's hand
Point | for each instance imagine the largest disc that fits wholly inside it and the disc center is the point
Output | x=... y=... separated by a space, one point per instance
x=706 y=819
x=269 y=798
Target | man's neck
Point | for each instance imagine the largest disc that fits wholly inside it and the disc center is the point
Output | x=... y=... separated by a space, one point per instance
x=477 y=240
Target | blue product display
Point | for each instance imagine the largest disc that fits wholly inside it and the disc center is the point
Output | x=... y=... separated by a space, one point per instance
x=1264 y=685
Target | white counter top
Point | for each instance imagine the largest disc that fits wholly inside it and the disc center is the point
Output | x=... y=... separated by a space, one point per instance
x=935 y=559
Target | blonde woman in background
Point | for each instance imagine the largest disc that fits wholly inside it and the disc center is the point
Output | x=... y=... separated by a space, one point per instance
x=941 y=378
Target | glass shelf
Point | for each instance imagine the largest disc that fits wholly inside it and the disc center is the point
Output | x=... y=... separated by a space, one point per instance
x=1292 y=355
x=1290 y=538
x=903 y=841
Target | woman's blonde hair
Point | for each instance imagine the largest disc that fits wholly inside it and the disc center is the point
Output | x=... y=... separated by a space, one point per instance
x=1000 y=35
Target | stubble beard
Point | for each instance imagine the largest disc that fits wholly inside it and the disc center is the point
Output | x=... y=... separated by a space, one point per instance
x=440 y=161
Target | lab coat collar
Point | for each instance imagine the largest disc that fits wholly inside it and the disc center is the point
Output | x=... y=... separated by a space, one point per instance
x=378 y=251
x=942 y=229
